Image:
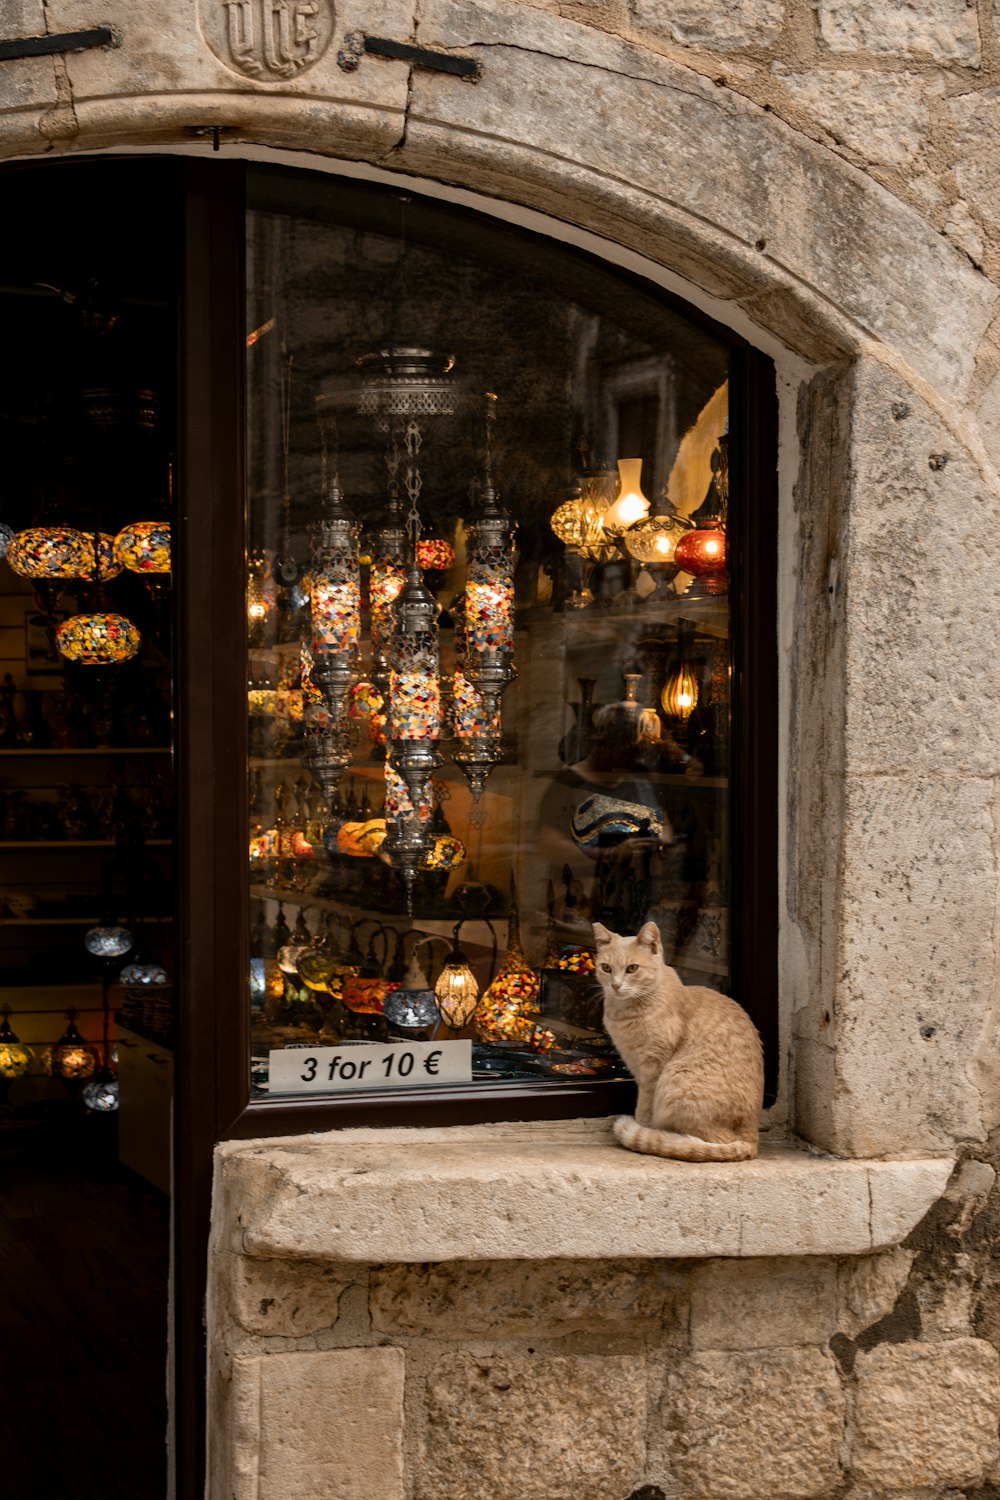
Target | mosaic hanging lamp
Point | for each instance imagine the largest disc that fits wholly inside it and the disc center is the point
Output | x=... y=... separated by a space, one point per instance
x=144 y=547
x=412 y=1008
x=509 y=1010
x=6 y=537
x=457 y=989
x=488 y=663
x=15 y=1060
x=98 y=640
x=49 y=552
x=71 y=1057
x=414 y=720
x=335 y=628
x=476 y=732
x=386 y=578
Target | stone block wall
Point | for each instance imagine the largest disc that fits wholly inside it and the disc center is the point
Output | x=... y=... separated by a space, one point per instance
x=873 y=1377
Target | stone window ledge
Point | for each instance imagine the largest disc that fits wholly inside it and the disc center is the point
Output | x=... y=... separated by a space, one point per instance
x=562 y=1189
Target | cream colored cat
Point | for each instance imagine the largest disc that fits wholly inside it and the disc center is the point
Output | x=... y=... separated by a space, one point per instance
x=695 y=1055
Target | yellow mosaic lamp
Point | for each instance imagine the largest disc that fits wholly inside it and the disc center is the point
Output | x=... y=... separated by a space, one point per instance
x=15 y=1060
x=144 y=547
x=98 y=640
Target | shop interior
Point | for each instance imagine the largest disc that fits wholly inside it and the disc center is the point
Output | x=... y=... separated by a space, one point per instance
x=86 y=899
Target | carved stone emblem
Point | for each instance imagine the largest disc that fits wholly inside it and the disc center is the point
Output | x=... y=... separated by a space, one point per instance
x=268 y=40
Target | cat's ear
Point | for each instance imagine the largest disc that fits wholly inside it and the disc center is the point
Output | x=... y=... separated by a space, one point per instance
x=649 y=937
x=601 y=935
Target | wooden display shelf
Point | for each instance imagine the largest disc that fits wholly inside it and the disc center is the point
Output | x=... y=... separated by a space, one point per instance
x=73 y=750
x=79 y=844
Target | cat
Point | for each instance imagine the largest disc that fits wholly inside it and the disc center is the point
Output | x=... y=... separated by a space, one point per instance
x=695 y=1055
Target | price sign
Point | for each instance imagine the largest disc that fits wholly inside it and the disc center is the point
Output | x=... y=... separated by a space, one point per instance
x=369 y=1065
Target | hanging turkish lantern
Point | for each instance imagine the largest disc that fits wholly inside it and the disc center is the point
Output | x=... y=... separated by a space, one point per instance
x=63 y=552
x=335 y=628
x=15 y=1060
x=414 y=717
x=386 y=579
x=144 y=547
x=488 y=663
x=71 y=1057
x=457 y=989
x=98 y=640
x=476 y=732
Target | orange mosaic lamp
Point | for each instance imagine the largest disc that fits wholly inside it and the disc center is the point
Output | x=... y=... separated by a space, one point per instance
x=63 y=552
x=509 y=1011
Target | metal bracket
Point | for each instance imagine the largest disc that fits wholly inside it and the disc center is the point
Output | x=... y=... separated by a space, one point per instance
x=357 y=45
x=63 y=41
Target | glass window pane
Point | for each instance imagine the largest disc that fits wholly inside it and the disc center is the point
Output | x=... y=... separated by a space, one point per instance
x=489 y=674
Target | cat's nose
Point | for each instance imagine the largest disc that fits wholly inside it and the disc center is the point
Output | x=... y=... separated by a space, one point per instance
x=616 y=984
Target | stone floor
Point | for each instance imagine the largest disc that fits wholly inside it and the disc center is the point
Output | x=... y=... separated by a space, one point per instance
x=83 y=1298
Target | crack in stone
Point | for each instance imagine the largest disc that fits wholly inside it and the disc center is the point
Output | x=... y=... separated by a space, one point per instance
x=577 y=62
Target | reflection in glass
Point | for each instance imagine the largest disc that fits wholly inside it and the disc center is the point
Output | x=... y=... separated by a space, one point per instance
x=533 y=676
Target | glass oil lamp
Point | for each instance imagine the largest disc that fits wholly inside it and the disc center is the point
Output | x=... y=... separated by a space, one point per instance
x=702 y=551
x=631 y=504
x=653 y=539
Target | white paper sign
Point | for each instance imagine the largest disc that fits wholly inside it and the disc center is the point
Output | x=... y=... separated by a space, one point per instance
x=369 y=1065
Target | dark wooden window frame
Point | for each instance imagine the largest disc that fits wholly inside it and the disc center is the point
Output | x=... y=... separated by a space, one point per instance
x=213 y=1095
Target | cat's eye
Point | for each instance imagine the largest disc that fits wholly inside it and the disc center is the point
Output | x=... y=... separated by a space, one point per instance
x=606 y=968
x=631 y=968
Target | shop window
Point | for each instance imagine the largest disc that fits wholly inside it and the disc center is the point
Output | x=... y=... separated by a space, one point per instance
x=509 y=594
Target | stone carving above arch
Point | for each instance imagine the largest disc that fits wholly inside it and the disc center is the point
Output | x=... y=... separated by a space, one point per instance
x=267 y=40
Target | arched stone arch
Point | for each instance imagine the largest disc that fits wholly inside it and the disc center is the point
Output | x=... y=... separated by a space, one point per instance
x=888 y=750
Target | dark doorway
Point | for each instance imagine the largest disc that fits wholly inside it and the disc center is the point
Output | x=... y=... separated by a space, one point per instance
x=87 y=424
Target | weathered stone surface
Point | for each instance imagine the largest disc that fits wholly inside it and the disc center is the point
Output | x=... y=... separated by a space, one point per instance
x=976 y=118
x=927 y=1413
x=528 y=1298
x=885 y=118
x=925 y=30
x=288 y=1297
x=753 y=185
x=328 y=1426
x=744 y=1426
x=699 y=23
x=919 y=502
x=556 y=1191
x=962 y=228
x=26 y=82
x=760 y=1304
x=869 y=1286
x=945 y=1303
x=533 y=1428
x=916 y=940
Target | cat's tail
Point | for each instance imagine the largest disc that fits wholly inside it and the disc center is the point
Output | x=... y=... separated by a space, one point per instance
x=638 y=1137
